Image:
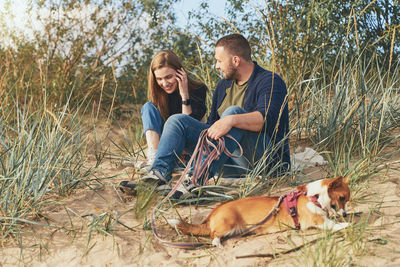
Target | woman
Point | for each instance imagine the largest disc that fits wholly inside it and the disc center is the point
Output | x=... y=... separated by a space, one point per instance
x=170 y=91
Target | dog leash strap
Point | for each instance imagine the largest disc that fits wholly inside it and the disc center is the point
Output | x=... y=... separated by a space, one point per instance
x=201 y=167
x=271 y=213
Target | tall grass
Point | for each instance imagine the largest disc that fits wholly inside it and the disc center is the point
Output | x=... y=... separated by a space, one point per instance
x=353 y=117
x=42 y=154
x=351 y=114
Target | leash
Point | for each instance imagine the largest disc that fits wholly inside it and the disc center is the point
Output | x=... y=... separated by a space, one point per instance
x=202 y=167
x=289 y=200
x=273 y=212
x=205 y=152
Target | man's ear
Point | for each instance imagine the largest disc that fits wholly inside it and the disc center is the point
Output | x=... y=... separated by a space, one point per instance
x=236 y=61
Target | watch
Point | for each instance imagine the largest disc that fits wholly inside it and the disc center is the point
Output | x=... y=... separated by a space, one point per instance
x=186 y=102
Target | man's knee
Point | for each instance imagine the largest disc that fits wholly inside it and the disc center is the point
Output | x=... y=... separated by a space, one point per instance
x=233 y=110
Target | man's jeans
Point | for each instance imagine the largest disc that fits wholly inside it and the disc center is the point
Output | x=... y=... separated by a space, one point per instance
x=151 y=118
x=181 y=132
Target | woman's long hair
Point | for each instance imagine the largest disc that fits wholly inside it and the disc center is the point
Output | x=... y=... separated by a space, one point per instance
x=156 y=95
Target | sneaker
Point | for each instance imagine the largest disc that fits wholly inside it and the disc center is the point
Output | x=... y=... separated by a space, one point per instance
x=143 y=165
x=155 y=177
x=184 y=189
x=128 y=187
x=138 y=164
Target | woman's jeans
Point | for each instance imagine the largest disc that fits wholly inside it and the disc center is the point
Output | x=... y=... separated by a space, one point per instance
x=181 y=132
x=151 y=118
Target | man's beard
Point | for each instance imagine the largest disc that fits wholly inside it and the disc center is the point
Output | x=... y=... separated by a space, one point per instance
x=231 y=74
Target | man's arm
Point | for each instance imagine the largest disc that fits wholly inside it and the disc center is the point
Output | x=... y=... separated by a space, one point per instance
x=252 y=121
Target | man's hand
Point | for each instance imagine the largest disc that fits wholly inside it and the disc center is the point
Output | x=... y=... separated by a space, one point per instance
x=220 y=128
x=252 y=121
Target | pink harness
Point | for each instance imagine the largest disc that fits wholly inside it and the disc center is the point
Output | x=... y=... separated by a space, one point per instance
x=290 y=201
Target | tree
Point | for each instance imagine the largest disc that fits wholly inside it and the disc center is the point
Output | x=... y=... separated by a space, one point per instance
x=84 y=45
x=293 y=37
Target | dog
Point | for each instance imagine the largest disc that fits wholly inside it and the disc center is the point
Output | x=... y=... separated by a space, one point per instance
x=315 y=202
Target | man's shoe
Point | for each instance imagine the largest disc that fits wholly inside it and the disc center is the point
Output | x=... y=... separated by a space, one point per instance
x=184 y=189
x=128 y=187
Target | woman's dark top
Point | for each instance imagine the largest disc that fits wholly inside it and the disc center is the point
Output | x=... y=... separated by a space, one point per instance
x=197 y=102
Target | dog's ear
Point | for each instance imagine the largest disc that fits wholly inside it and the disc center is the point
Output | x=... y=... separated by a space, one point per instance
x=336 y=182
x=346 y=179
x=302 y=188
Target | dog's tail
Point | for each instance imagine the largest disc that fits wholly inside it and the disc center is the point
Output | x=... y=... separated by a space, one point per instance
x=202 y=229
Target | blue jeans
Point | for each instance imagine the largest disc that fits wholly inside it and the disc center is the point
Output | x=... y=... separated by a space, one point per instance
x=181 y=132
x=151 y=118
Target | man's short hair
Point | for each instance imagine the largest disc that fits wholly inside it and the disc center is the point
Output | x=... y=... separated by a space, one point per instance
x=236 y=45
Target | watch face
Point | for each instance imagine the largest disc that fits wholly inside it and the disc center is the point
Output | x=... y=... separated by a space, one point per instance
x=186 y=102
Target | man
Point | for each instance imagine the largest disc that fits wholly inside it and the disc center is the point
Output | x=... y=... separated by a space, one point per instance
x=249 y=103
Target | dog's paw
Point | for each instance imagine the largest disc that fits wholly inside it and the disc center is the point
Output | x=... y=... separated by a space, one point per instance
x=217 y=242
x=340 y=226
x=173 y=222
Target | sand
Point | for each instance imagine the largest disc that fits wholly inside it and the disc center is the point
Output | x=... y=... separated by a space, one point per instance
x=87 y=214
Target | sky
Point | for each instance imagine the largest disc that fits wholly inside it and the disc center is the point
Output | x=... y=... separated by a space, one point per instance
x=184 y=6
x=18 y=8
x=217 y=7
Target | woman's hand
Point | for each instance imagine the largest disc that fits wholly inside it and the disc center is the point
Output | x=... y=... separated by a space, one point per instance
x=181 y=77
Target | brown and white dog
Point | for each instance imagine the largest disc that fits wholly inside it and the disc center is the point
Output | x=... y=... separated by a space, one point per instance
x=313 y=207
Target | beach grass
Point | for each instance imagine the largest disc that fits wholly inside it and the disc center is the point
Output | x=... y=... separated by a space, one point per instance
x=43 y=154
x=349 y=113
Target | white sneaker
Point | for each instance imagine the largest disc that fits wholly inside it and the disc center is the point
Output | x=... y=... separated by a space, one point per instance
x=138 y=164
x=184 y=189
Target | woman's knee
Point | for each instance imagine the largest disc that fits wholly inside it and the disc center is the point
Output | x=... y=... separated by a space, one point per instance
x=149 y=107
x=175 y=120
x=151 y=118
x=233 y=110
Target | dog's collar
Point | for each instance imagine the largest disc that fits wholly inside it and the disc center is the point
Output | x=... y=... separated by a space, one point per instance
x=314 y=199
x=290 y=201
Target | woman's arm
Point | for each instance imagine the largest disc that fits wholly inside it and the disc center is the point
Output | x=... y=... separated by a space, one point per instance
x=181 y=77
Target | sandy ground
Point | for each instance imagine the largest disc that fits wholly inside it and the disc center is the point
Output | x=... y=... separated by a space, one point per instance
x=86 y=213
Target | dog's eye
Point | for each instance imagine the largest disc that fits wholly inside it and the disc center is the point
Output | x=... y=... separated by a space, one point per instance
x=342 y=198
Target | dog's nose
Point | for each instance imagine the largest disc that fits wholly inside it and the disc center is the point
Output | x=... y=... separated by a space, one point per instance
x=342 y=212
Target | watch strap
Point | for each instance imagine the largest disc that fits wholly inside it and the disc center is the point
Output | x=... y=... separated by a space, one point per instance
x=186 y=102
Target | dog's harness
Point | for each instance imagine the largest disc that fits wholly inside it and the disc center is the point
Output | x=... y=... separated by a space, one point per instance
x=201 y=167
x=290 y=201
